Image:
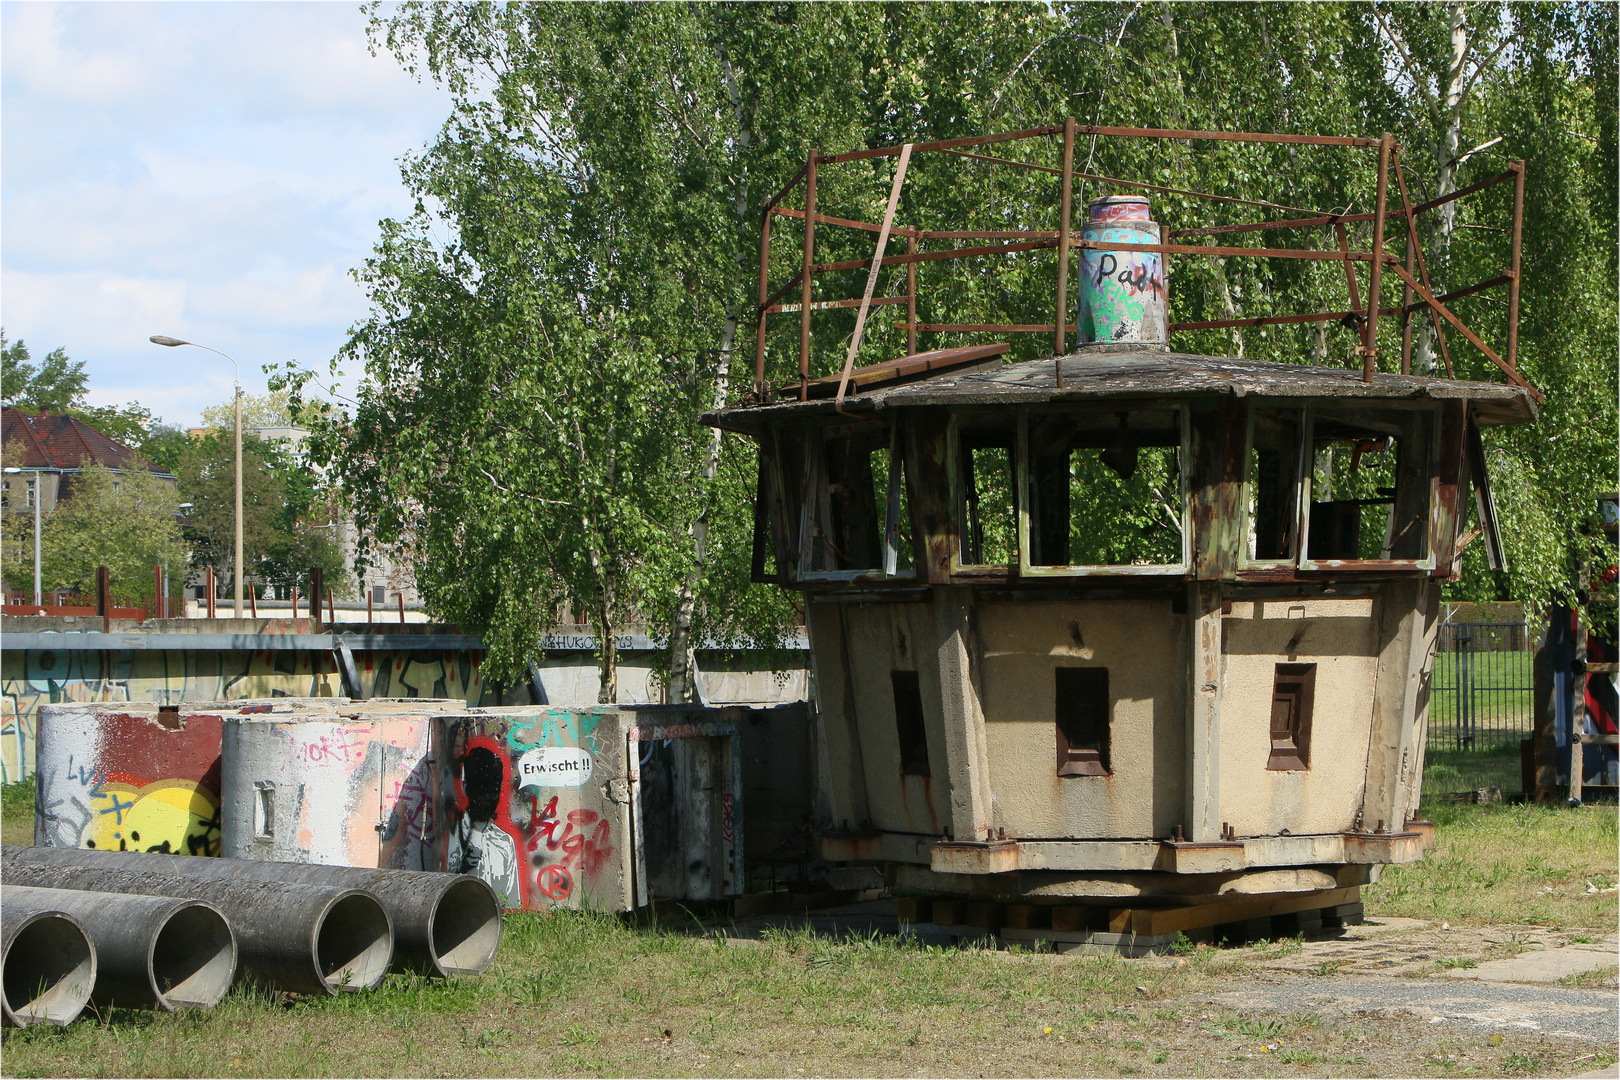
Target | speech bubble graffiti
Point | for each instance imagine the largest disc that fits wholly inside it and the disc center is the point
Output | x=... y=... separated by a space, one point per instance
x=554 y=766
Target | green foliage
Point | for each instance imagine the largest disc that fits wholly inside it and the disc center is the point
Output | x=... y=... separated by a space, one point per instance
x=54 y=385
x=282 y=511
x=572 y=291
x=258 y=410
x=125 y=522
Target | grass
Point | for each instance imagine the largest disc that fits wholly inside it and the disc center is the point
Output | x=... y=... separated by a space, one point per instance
x=588 y=994
x=1448 y=771
x=1508 y=864
x=17 y=812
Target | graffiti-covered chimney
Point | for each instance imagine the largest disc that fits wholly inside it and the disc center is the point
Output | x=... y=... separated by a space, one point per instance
x=1122 y=298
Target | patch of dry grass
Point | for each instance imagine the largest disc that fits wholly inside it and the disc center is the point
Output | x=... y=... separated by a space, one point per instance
x=584 y=994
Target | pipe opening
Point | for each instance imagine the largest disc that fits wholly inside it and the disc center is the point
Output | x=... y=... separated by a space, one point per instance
x=50 y=970
x=193 y=959
x=466 y=928
x=354 y=944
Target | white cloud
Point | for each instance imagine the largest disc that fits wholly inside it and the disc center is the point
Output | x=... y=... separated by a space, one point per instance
x=210 y=171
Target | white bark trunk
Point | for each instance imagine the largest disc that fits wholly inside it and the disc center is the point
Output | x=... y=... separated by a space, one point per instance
x=1447 y=151
x=682 y=686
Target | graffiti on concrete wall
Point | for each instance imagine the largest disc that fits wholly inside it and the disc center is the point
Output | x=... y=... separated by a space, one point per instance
x=125 y=782
x=30 y=678
x=522 y=808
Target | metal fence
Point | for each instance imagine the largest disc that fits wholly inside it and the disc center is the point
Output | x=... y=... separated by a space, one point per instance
x=1480 y=696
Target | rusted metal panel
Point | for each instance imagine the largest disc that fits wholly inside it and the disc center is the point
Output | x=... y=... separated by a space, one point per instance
x=893 y=371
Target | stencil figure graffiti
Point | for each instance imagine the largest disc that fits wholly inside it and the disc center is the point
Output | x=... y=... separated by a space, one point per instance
x=478 y=843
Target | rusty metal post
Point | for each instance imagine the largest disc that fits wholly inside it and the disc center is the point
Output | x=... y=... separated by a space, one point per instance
x=911 y=294
x=804 y=291
x=1513 y=285
x=368 y=606
x=316 y=581
x=210 y=587
x=253 y=601
x=1369 y=346
x=1406 y=301
x=1064 y=212
x=104 y=598
x=331 y=608
x=401 y=595
x=764 y=294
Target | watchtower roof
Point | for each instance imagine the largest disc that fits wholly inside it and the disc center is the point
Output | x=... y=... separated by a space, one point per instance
x=1113 y=372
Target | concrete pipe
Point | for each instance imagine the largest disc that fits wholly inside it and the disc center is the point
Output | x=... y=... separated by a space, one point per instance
x=444 y=924
x=308 y=939
x=47 y=966
x=152 y=952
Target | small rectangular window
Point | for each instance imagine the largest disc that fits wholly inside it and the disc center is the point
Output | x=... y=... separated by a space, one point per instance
x=1293 y=696
x=1369 y=486
x=379 y=594
x=1083 y=709
x=861 y=520
x=986 y=517
x=1105 y=488
x=1274 y=463
x=908 y=720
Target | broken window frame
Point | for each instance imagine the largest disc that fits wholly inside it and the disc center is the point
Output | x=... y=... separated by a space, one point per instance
x=815 y=507
x=1025 y=500
x=958 y=488
x=1247 y=503
x=1426 y=417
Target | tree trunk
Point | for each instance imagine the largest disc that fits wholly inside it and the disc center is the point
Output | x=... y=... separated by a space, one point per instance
x=1448 y=149
x=682 y=685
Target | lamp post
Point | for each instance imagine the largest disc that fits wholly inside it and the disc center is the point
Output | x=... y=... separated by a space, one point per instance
x=39 y=497
x=236 y=566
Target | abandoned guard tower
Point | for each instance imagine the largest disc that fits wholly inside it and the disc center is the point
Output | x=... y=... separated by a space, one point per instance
x=1123 y=621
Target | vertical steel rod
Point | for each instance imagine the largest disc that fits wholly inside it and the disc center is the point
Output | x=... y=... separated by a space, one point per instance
x=911 y=294
x=1406 y=302
x=804 y=292
x=1422 y=263
x=1513 y=286
x=764 y=294
x=1369 y=347
x=1063 y=248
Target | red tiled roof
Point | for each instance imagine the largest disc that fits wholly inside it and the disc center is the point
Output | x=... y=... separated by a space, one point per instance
x=52 y=441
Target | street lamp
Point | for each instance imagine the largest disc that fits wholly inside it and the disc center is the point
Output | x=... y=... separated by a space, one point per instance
x=39 y=497
x=236 y=575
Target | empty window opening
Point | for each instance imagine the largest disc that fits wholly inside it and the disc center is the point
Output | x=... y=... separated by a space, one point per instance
x=1369 y=490
x=862 y=519
x=986 y=516
x=1105 y=488
x=908 y=720
x=1083 y=709
x=1292 y=698
x=1274 y=465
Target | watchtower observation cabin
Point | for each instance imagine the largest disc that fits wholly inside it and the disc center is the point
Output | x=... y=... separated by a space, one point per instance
x=1123 y=620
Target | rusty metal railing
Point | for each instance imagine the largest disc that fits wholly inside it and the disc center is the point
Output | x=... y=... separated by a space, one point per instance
x=1412 y=269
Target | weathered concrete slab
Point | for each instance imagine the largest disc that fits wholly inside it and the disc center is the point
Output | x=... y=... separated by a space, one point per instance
x=1543 y=965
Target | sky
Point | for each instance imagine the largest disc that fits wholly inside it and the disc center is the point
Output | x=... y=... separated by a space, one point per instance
x=207 y=171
